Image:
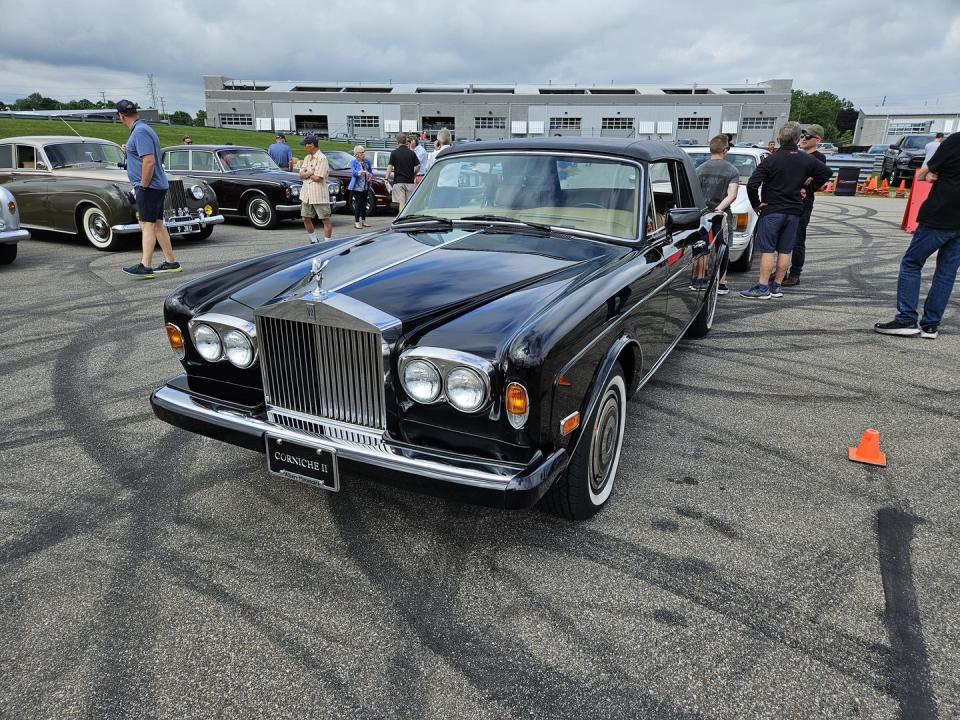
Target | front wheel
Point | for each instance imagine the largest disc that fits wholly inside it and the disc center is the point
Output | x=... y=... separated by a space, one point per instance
x=205 y=232
x=588 y=481
x=8 y=253
x=261 y=214
x=96 y=229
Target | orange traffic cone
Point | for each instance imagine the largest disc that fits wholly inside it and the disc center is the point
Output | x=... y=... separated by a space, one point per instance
x=828 y=188
x=868 y=451
x=902 y=190
x=872 y=184
x=884 y=188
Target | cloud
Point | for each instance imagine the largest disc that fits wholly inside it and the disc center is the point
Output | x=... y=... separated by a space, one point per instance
x=903 y=52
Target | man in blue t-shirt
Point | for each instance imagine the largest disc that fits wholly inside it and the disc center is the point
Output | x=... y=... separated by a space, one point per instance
x=281 y=153
x=150 y=187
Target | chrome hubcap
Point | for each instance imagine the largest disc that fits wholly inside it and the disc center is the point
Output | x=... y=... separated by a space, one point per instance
x=98 y=227
x=259 y=212
x=604 y=443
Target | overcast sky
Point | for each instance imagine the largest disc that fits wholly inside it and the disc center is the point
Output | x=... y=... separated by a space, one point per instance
x=909 y=53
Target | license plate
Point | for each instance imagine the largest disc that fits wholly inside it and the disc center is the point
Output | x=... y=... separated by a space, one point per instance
x=314 y=466
x=184 y=229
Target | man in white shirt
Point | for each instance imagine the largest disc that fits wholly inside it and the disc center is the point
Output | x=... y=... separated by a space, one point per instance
x=931 y=147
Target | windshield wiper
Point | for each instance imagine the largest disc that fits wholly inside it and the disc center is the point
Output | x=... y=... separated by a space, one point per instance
x=417 y=217
x=504 y=218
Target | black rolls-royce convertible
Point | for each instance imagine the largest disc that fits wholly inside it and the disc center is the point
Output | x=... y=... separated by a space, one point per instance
x=483 y=346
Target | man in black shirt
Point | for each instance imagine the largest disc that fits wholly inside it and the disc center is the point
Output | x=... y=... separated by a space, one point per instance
x=403 y=164
x=782 y=176
x=809 y=139
x=938 y=231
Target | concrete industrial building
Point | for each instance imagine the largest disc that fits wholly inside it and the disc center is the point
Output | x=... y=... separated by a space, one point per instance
x=376 y=111
x=888 y=123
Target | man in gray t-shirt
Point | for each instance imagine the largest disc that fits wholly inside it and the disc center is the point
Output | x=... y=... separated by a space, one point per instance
x=931 y=147
x=720 y=183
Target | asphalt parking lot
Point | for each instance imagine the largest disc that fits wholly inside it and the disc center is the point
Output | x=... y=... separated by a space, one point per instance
x=743 y=569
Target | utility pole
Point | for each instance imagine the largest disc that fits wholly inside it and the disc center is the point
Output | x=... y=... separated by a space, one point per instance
x=103 y=97
x=153 y=90
x=163 y=109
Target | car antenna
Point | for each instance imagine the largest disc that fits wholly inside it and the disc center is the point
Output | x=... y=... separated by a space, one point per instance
x=71 y=128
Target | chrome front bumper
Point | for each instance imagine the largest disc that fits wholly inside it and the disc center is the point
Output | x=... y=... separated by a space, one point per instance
x=201 y=221
x=335 y=205
x=8 y=237
x=485 y=481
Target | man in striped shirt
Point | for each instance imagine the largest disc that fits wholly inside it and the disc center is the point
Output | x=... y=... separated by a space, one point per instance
x=314 y=196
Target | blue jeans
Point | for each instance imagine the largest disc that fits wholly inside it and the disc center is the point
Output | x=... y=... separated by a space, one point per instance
x=927 y=241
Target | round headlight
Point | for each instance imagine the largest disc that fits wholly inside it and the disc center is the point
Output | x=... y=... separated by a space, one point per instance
x=295 y=191
x=465 y=389
x=207 y=342
x=238 y=348
x=197 y=192
x=422 y=381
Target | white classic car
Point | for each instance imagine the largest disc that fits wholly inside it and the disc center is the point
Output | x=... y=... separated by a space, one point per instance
x=745 y=160
x=10 y=231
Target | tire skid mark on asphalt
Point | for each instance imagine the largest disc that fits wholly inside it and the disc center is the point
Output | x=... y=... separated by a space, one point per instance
x=535 y=687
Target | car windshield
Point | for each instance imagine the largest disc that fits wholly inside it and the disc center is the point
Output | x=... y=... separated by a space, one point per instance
x=338 y=160
x=63 y=155
x=380 y=160
x=590 y=194
x=246 y=159
x=877 y=149
x=917 y=142
x=745 y=164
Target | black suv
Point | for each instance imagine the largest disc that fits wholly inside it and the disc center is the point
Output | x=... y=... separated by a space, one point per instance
x=903 y=158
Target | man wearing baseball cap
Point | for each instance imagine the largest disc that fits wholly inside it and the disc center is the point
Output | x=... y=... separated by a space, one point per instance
x=810 y=137
x=150 y=187
x=314 y=196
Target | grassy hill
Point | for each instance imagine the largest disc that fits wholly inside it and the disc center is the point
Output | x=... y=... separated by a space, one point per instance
x=169 y=134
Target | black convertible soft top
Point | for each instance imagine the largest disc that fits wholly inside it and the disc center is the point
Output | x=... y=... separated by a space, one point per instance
x=643 y=150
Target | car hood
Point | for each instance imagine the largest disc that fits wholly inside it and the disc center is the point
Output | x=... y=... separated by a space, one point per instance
x=418 y=276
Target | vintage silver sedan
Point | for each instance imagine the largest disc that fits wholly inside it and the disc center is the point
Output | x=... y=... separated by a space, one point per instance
x=73 y=184
x=10 y=231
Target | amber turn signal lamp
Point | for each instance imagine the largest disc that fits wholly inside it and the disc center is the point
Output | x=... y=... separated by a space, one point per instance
x=741 y=222
x=176 y=339
x=12 y=206
x=570 y=423
x=517 y=404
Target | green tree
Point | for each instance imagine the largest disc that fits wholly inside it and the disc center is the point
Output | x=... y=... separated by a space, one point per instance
x=35 y=101
x=201 y=118
x=181 y=118
x=821 y=108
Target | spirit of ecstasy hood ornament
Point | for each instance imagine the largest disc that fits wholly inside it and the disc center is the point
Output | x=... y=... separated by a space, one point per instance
x=316 y=274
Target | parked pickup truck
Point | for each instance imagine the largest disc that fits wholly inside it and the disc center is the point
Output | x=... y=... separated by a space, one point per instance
x=903 y=158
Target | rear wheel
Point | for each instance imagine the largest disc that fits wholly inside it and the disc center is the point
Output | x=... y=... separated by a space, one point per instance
x=205 y=232
x=95 y=227
x=261 y=214
x=588 y=481
x=8 y=253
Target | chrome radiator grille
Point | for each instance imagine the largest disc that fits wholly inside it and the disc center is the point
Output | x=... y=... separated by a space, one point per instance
x=176 y=197
x=324 y=372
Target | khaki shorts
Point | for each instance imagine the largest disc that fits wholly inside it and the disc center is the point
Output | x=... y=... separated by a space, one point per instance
x=402 y=192
x=315 y=210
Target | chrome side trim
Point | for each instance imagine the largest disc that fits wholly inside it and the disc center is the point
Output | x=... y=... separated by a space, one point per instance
x=388 y=455
x=288 y=208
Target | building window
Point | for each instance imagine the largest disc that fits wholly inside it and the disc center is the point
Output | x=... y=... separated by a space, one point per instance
x=909 y=127
x=236 y=120
x=565 y=123
x=757 y=123
x=693 y=123
x=616 y=123
x=490 y=123
x=363 y=121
